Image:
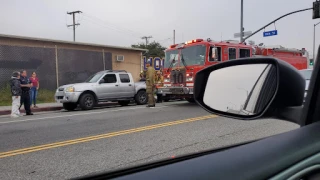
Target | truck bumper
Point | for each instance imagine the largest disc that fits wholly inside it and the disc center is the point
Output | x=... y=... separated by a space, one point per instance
x=67 y=97
x=175 y=90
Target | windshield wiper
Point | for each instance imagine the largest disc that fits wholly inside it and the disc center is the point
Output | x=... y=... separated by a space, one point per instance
x=172 y=61
x=183 y=61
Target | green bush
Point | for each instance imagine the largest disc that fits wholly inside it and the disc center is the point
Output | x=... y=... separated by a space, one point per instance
x=44 y=96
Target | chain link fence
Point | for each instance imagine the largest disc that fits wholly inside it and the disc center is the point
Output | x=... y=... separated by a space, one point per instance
x=54 y=66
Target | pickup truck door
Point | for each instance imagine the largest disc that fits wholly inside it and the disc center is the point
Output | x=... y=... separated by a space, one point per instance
x=109 y=88
x=126 y=85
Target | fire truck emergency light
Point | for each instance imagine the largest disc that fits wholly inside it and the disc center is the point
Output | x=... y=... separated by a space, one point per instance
x=188 y=42
x=194 y=41
x=173 y=46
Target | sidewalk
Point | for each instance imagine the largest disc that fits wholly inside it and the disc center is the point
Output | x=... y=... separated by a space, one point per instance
x=6 y=110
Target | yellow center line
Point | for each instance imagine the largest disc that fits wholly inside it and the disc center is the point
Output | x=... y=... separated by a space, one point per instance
x=101 y=136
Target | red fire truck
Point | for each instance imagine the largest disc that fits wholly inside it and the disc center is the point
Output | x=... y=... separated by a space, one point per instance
x=184 y=60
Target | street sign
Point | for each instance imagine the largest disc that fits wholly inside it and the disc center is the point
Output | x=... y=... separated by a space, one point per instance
x=270 y=33
x=247 y=33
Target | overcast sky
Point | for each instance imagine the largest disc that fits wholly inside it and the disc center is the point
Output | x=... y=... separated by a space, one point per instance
x=123 y=22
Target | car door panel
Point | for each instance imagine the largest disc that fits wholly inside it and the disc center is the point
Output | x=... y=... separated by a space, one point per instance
x=109 y=89
x=126 y=85
x=301 y=169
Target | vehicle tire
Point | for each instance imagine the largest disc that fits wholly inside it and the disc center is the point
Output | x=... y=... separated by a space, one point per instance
x=190 y=100
x=70 y=106
x=141 y=97
x=87 y=102
x=124 y=103
x=166 y=100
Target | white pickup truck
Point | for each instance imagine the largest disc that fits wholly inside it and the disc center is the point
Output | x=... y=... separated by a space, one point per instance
x=109 y=85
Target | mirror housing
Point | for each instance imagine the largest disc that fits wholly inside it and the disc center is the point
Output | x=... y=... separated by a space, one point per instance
x=101 y=81
x=285 y=100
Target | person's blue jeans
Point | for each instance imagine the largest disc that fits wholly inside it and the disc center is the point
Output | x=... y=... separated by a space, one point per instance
x=33 y=95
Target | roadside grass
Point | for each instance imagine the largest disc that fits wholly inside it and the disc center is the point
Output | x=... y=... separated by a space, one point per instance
x=44 y=96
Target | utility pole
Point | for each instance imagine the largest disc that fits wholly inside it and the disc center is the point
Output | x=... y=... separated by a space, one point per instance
x=314 y=40
x=174 y=36
x=146 y=38
x=241 y=22
x=74 y=24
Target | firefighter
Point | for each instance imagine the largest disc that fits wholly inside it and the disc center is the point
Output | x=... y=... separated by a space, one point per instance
x=159 y=81
x=150 y=83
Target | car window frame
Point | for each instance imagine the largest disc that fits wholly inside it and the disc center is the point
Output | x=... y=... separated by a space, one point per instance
x=126 y=75
x=109 y=74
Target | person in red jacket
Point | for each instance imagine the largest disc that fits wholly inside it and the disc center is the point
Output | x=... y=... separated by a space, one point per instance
x=34 y=89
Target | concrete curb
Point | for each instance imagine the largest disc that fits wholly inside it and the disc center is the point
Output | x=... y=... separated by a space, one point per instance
x=53 y=108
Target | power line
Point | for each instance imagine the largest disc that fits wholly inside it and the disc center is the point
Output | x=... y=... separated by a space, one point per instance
x=112 y=26
x=108 y=27
x=162 y=40
x=74 y=24
x=115 y=27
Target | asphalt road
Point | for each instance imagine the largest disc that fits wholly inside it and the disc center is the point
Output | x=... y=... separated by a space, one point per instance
x=62 y=145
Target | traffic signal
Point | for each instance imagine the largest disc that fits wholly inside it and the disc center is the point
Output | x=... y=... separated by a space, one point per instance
x=311 y=62
x=316 y=10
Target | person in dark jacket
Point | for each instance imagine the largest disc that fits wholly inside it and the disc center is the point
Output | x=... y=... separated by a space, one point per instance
x=16 y=94
x=25 y=96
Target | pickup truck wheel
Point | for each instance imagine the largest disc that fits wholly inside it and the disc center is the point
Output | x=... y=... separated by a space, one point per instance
x=141 y=97
x=124 y=103
x=87 y=102
x=70 y=106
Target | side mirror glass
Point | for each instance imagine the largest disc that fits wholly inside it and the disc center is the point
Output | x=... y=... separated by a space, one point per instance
x=101 y=81
x=241 y=89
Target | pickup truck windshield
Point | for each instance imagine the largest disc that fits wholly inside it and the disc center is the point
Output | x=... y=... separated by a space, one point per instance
x=94 y=78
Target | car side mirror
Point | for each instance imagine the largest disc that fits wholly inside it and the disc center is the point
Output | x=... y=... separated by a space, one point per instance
x=101 y=81
x=251 y=88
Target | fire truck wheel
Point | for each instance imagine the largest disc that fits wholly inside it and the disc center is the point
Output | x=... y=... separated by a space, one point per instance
x=141 y=97
x=190 y=100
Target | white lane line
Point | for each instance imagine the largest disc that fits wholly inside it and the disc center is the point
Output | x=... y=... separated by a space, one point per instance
x=79 y=114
